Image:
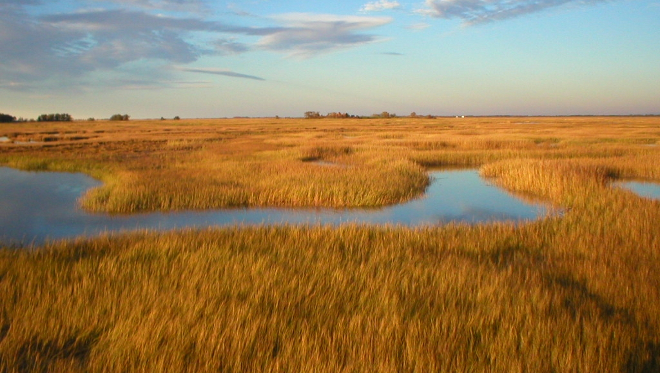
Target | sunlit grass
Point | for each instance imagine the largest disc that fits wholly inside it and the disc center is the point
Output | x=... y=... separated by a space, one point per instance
x=202 y=164
x=574 y=292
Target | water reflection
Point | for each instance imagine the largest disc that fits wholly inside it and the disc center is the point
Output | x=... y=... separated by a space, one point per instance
x=39 y=206
x=643 y=189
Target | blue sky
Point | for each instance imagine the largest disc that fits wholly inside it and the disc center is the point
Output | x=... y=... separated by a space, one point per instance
x=208 y=59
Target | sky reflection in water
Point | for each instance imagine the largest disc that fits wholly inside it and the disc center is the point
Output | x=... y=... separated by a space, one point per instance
x=39 y=206
x=644 y=189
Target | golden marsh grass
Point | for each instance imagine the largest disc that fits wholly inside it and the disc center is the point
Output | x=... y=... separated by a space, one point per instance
x=578 y=292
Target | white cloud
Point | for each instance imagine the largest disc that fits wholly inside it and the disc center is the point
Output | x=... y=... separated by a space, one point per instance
x=482 y=11
x=380 y=5
x=306 y=35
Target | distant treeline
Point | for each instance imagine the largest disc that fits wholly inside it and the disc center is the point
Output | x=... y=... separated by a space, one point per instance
x=59 y=117
x=56 y=117
x=338 y=114
x=120 y=117
x=6 y=118
x=384 y=114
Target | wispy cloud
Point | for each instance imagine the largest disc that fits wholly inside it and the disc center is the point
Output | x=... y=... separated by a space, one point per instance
x=16 y=4
x=230 y=46
x=109 y=38
x=393 y=54
x=482 y=11
x=130 y=21
x=234 y=9
x=63 y=49
x=146 y=84
x=380 y=5
x=172 y=5
x=220 y=72
x=306 y=35
x=70 y=45
x=32 y=51
x=418 y=26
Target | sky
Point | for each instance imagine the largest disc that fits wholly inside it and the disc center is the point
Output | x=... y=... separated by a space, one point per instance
x=213 y=59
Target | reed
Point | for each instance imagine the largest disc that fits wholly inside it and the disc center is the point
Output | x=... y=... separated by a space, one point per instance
x=573 y=292
x=202 y=164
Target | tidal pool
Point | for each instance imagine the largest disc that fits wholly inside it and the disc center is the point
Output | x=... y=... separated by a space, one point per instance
x=37 y=206
x=641 y=188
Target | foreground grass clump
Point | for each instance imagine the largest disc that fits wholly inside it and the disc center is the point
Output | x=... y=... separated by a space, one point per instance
x=355 y=298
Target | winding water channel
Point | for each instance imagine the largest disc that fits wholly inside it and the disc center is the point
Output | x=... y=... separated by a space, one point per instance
x=37 y=206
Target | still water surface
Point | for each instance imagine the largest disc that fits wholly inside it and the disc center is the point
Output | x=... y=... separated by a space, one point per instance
x=643 y=189
x=35 y=206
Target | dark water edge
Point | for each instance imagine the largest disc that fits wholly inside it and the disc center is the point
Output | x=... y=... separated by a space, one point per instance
x=40 y=206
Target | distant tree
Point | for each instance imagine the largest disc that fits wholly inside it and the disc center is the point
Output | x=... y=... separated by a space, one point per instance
x=177 y=118
x=59 y=117
x=91 y=119
x=385 y=114
x=6 y=118
x=413 y=115
x=312 y=114
x=120 y=117
x=338 y=115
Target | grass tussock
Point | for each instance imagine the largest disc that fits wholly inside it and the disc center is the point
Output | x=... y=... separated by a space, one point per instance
x=576 y=292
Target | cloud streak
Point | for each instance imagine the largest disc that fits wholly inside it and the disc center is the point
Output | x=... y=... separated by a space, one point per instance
x=230 y=46
x=221 y=72
x=68 y=46
x=107 y=39
x=418 y=26
x=380 y=5
x=306 y=35
x=483 y=11
x=173 y=5
x=63 y=48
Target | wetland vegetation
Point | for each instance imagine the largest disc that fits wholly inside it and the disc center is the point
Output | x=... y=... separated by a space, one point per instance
x=39 y=206
x=578 y=292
